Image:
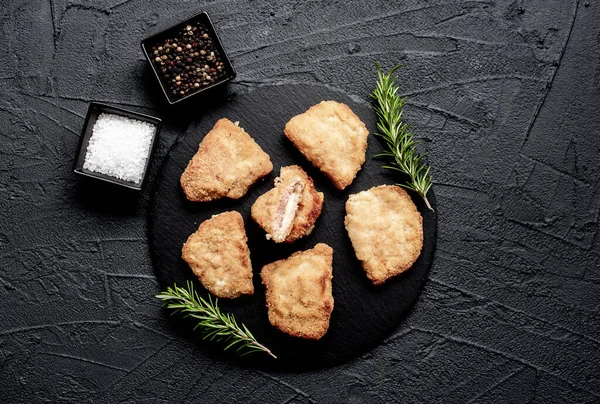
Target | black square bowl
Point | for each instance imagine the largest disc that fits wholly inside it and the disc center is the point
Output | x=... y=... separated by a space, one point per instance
x=94 y=110
x=171 y=32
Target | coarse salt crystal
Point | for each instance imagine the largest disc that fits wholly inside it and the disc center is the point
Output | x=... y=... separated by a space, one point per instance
x=119 y=147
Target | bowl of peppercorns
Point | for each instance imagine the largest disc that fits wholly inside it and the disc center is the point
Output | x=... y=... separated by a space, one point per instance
x=188 y=58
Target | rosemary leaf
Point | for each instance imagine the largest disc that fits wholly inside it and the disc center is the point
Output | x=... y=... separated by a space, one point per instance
x=402 y=147
x=215 y=325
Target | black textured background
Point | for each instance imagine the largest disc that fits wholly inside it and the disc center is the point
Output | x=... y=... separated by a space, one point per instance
x=505 y=94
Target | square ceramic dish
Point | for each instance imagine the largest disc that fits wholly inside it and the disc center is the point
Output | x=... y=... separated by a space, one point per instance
x=172 y=32
x=94 y=110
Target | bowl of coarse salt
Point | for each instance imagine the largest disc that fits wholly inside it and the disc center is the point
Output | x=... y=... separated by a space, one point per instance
x=116 y=145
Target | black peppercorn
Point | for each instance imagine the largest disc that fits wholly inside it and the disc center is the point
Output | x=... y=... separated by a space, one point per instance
x=188 y=60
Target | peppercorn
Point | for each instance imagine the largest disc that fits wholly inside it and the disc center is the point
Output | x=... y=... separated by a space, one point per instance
x=188 y=60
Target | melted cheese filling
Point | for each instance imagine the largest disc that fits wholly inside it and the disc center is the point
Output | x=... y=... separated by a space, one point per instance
x=285 y=217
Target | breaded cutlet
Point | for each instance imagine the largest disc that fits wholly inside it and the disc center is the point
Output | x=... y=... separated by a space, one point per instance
x=289 y=210
x=227 y=163
x=386 y=231
x=332 y=138
x=218 y=255
x=299 y=294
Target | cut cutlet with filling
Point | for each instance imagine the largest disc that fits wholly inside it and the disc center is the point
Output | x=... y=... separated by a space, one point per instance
x=386 y=231
x=227 y=163
x=289 y=210
x=218 y=255
x=332 y=138
x=299 y=294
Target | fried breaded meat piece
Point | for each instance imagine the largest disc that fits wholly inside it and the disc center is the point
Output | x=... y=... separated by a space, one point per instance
x=386 y=231
x=332 y=138
x=227 y=163
x=218 y=255
x=298 y=291
x=289 y=210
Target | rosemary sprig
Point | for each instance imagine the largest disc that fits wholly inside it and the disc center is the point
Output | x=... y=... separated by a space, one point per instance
x=216 y=326
x=402 y=147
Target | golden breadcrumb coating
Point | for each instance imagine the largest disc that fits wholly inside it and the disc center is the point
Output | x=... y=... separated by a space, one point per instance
x=218 y=255
x=227 y=163
x=386 y=231
x=289 y=210
x=332 y=138
x=298 y=291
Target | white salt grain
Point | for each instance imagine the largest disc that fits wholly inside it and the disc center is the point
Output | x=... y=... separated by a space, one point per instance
x=119 y=147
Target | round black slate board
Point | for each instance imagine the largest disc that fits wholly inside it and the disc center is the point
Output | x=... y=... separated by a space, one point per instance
x=363 y=315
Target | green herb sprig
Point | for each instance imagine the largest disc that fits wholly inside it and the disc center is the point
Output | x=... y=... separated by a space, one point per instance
x=402 y=147
x=216 y=325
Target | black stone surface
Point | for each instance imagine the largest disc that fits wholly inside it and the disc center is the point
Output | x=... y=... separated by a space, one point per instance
x=505 y=95
x=363 y=315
